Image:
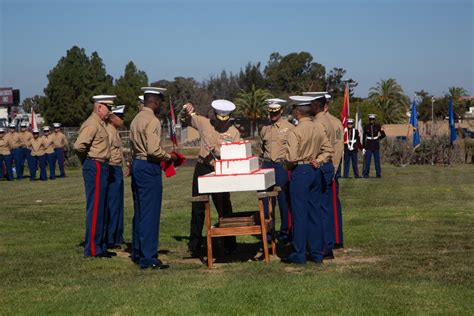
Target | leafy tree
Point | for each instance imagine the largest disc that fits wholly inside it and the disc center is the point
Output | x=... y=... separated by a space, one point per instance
x=224 y=86
x=252 y=105
x=127 y=89
x=294 y=73
x=71 y=85
x=36 y=102
x=388 y=96
x=251 y=76
x=424 y=105
x=336 y=84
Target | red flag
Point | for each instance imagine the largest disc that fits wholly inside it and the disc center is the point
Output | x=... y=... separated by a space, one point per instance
x=345 y=111
x=173 y=125
x=33 y=120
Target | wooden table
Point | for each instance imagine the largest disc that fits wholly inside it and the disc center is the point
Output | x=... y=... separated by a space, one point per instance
x=241 y=223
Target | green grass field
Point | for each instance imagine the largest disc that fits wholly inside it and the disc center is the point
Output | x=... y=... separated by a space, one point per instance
x=408 y=238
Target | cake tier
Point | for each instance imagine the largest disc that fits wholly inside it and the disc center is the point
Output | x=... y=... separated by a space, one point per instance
x=236 y=166
x=259 y=180
x=236 y=150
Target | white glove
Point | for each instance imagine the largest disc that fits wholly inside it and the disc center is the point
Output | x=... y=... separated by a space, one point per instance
x=188 y=107
x=363 y=151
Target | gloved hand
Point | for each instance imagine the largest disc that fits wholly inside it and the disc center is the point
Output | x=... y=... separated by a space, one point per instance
x=363 y=151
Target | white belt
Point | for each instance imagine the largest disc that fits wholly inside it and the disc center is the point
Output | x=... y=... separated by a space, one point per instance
x=376 y=137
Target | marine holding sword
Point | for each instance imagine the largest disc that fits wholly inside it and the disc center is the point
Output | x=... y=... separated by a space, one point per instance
x=373 y=134
x=213 y=131
x=351 y=147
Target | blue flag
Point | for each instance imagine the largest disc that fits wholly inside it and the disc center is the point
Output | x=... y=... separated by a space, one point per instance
x=452 y=128
x=414 y=124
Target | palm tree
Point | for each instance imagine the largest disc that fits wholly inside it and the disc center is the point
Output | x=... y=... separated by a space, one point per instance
x=389 y=97
x=251 y=104
x=456 y=93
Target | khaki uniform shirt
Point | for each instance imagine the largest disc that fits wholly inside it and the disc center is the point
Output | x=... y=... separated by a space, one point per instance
x=25 y=138
x=60 y=140
x=93 y=139
x=210 y=138
x=274 y=138
x=339 y=140
x=145 y=137
x=37 y=146
x=116 y=156
x=308 y=142
x=323 y=119
x=13 y=140
x=48 y=142
x=4 y=146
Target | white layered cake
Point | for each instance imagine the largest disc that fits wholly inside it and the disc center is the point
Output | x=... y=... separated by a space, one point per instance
x=237 y=170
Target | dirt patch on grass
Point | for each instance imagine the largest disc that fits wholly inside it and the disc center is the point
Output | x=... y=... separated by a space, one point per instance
x=293 y=270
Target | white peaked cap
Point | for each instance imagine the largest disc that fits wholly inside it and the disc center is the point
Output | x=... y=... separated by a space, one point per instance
x=24 y=124
x=372 y=116
x=12 y=125
x=303 y=99
x=350 y=120
x=141 y=98
x=318 y=94
x=35 y=130
x=104 y=98
x=46 y=128
x=56 y=125
x=153 y=90
x=119 y=109
x=2 y=130
x=223 y=107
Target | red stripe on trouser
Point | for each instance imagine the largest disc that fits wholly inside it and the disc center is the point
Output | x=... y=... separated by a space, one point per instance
x=96 y=206
x=334 y=207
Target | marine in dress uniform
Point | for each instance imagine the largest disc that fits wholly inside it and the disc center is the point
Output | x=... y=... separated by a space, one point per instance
x=351 y=147
x=5 y=156
x=115 y=189
x=14 y=142
x=327 y=171
x=38 y=156
x=308 y=148
x=274 y=137
x=60 y=142
x=93 y=149
x=373 y=134
x=213 y=131
x=24 y=152
x=48 y=141
x=147 y=187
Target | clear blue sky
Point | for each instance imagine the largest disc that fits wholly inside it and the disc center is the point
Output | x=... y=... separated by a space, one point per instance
x=423 y=44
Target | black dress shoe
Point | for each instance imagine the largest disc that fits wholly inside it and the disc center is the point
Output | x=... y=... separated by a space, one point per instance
x=289 y=261
x=328 y=255
x=158 y=266
x=114 y=247
x=338 y=246
x=104 y=255
x=317 y=261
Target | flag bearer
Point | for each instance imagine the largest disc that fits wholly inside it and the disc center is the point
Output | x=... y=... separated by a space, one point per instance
x=373 y=134
x=147 y=187
x=5 y=156
x=60 y=143
x=38 y=156
x=93 y=149
x=351 y=149
x=274 y=138
x=115 y=192
x=308 y=149
x=216 y=129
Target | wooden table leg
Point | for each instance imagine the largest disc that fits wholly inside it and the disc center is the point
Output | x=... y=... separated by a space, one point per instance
x=270 y=215
x=209 y=234
x=264 y=230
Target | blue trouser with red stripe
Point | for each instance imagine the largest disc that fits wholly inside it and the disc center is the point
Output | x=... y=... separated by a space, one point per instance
x=282 y=180
x=367 y=161
x=23 y=154
x=95 y=175
x=306 y=211
x=59 y=157
x=327 y=175
x=52 y=164
x=147 y=188
x=7 y=159
x=16 y=158
x=337 y=210
x=114 y=208
x=33 y=162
